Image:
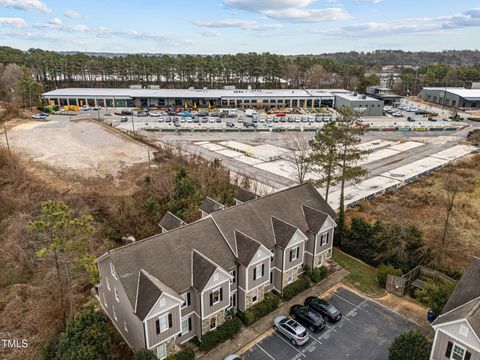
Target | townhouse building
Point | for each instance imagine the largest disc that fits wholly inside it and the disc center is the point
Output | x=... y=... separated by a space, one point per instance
x=163 y=291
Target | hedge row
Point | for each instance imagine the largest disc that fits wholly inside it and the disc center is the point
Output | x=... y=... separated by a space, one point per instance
x=185 y=354
x=317 y=274
x=222 y=333
x=296 y=287
x=257 y=311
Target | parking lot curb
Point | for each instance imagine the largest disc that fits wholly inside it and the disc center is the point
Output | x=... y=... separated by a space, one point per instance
x=322 y=287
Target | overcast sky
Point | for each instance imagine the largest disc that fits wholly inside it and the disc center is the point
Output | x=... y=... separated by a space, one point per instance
x=231 y=26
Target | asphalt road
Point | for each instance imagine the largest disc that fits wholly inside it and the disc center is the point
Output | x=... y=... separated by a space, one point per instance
x=365 y=333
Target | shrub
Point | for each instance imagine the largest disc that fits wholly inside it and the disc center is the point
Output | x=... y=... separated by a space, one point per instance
x=144 y=354
x=185 y=354
x=318 y=274
x=224 y=332
x=411 y=345
x=384 y=270
x=87 y=337
x=434 y=296
x=257 y=311
x=296 y=287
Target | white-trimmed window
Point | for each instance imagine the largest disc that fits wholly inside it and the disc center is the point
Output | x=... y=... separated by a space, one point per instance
x=108 y=283
x=116 y=295
x=186 y=325
x=105 y=300
x=324 y=238
x=258 y=271
x=186 y=300
x=112 y=270
x=114 y=313
x=213 y=323
x=463 y=330
x=254 y=296
x=290 y=276
x=234 y=276
x=163 y=321
x=161 y=351
x=294 y=253
x=125 y=326
x=458 y=352
x=216 y=296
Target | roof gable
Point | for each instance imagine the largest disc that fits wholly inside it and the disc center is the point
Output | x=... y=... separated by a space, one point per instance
x=244 y=195
x=202 y=270
x=210 y=205
x=218 y=277
x=169 y=221
x=315 y=218
x=246 y=247
x=468 y=287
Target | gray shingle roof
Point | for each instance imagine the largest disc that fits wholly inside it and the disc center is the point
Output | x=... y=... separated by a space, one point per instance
x=203 y=269
x=168 y=256
x=169 y=221
x=469 y=311
x=149 y=290
x=210 y=206
x=314 y=218
x=468 y=287
x=253 y=218
x=247 y=247
x=283 y=232
x=244 y=195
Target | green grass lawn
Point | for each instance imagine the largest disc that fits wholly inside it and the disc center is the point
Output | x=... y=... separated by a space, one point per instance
x=362 y=276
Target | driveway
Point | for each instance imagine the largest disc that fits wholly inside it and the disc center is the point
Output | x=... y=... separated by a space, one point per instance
x=365 y=332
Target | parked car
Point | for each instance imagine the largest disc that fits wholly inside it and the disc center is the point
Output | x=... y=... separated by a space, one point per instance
x=233 y=357
x=410 y=119
x=97 y=108
x=291 y=329
x=142 y=114
x=312 y=320
x=420 y=112
x=230 y=124
x=41 y=116
x=323 y=307
x=397 y=114
x=123 y=119
x=85 y=107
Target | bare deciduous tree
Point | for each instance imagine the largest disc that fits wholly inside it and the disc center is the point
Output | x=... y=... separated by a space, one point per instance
x=298 y=155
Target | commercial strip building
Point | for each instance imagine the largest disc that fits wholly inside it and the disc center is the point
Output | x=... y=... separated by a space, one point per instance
x=456 y=97
x=219 y=98
x=162 y=291
x=383 y=93
x=362 y=104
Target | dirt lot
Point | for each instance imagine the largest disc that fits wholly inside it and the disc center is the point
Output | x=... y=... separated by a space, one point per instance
x=75 y=149
x=424 y=203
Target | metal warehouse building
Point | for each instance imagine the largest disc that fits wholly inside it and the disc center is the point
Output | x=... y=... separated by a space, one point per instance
x=362 y=104
x=452 y=96
x=224 y=98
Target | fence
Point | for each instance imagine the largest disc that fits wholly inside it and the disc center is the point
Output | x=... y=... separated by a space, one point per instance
x=399 y=284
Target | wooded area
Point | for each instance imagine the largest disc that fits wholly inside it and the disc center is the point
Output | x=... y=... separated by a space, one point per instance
x=354 y=71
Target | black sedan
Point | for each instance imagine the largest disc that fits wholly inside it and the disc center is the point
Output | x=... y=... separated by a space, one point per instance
x=323 y=307
x=312 y=320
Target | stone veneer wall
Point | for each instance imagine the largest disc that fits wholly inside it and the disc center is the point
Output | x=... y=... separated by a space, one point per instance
x=260 y=296
x=206 y=323
x=295 y=275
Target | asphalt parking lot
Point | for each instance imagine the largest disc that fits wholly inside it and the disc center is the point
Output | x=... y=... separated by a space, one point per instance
x=365 y=333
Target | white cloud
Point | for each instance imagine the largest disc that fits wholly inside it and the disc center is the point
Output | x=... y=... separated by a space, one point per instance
x=26 y=5
x=468 y=18
x=13 y=22
x=237 y=23
x=56 y=21
x=290 y=10
x=370 y=1
x=210 y=33
x=72 y=14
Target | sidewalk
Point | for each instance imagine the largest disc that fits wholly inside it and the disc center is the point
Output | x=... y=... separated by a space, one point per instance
x=248 y=335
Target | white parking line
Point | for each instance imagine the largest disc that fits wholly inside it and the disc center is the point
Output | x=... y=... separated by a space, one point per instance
x=313 y=337
x=293 y=347
x=266 y=353
x=347 y=300
x=331 y=328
